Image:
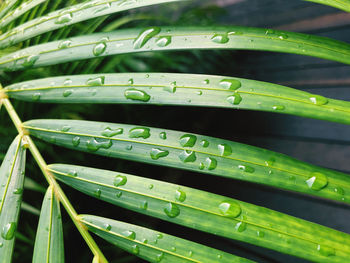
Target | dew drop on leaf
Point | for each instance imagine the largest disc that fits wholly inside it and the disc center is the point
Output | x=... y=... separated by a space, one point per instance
x=97 y=193
x=108 y=132
x=159 y=257
x=171 y=88
x=76 y=141
x=93 y=145
x=65 y=18
x=129 y=234
x=8 y=231
x=139 y=132
x=120 y=180
x=225 y=149
x=180 y=195
x=234 y=99
x=99 y=81
x=135 y=94
x=67 y=93
x=162 y=135
x=246 y=168
x=108 y=227
x=278 y=107
x=220 y=38
x=171 y=210
x=325 y=251
x=157 y=153
x=64 y=44
x=318 y=100
x=210 y=163
x=99 y=49
x=204 y=143
x=135 y=249
x=188 y=140
x=230 y=209
x=230 y=84
x=241 y=226
x=144 y=36
x=163 y=41
x=36 y=96
x=317 y=181
x=187 y=156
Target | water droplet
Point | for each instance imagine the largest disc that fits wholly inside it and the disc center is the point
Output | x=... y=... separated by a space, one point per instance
x=190 y=253
x=65 y=128
x=128 y=147
x=99 y=81
x=219 y=256
x=246 y=168
x=173 y=249
x=230 y=209
x=76 y=141
x=282 y=36
x=171 y=88
x=159 y=236
x=93 y=145
x=97 y=193
x=135 y=249
x=171 y=210
x=241 y=226
x=65 y=18
x=73 y=173
x=159 y=257
x=8 y=231
x=162 y=135
x=230 y=84
x=220 y=38
x=30 y=61
x=67 y=82
x=325 y=251
x=139 y=132
x=278 y=107
x=317 y=181
x=270 y=161
x=210 y=163
x=144 y=205
x=120 y=180
x=188 y=140
x=145 y=36
x=150 y=186
x=260 y=233
x=339 y=190
x=108 y=132
x=225 y=149
x=206 y=81
x=135 y=94
x=163 y=41
x=204 y=143
x=64 y=44
x=201 y=166
x=269 y=31
x=1 y=245
x=119 y=194
x=99 y=48
x=157 y=153
x=318 y=100
x=130 y=81
x=108 y=227
x=67 y=93
x=180 y=195
x=18 y=191
x=129 y=234
x=187 y=156
x=36 y=96
x=234 y=99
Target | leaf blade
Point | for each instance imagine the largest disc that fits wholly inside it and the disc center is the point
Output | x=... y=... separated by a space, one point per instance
x=71 y=15
x=181 y=89
x=207 y=212
x=194 y=152
x=175 y=38
x=340 y=4
x=152 y=245
x=11 y=188
x=49 y=239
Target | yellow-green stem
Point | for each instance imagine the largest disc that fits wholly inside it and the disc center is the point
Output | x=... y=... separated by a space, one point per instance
x=52 y=181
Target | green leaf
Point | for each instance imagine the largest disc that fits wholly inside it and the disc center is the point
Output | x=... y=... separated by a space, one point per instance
x=181 y=89
x=154 y=246
x=194 y=152
x=16 y=13
x=209 y=212
x=71 y=15
x=30 y=209
x=175 y=38
x=49 y=238
x=11 y=189
x=341 y=4
x=30 y=184
x=6 y=6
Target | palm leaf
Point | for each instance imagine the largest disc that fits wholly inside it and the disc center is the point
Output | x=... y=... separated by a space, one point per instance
x=175 y=38
x=16 y=13
x=6 y=6
x=154 y=246
x=341 y=4
x=194 y=152
x=49 y=238
x=11 y=189
x=181 y=89
x=71 y=15
x=208 y=212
